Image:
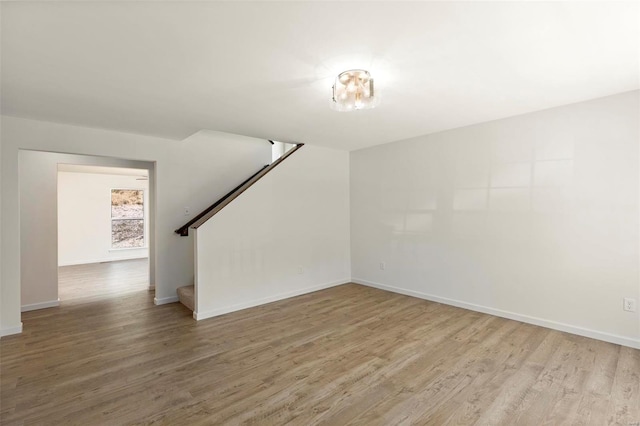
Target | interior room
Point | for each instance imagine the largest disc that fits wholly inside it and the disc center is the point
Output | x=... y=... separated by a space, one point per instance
x=103 y=229
x=317 y=212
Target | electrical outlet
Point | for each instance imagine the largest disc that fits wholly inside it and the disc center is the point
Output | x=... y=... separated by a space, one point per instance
x=383 y=266
x=187 y=211
x=300 y=269
x=629 y=304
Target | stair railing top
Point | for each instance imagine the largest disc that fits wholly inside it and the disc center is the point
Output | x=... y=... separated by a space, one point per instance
x=210 y=211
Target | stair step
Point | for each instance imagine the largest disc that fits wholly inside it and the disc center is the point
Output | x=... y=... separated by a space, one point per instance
x=186 y=296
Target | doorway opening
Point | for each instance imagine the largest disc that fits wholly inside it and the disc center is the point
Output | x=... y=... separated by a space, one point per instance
x=67 y=230
x=103 y=231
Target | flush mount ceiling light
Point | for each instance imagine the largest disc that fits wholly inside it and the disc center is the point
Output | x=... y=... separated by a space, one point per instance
x=353 y=90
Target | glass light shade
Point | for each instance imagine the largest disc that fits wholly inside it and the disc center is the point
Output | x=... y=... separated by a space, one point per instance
x=353 y=90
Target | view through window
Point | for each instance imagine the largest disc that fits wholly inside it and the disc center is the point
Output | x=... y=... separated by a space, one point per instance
x=127 y=218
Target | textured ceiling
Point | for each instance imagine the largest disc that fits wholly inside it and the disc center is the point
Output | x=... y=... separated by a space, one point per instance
x=265 y=69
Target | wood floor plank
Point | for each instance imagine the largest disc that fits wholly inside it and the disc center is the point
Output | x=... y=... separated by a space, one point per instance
x=496 y=368
x=346 y=355
x=96 y=281
x=624 y=405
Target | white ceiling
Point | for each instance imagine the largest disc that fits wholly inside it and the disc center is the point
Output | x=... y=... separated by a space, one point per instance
x=265 y=69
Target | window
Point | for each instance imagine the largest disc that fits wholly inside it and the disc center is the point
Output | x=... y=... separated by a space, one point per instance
x=127 y=218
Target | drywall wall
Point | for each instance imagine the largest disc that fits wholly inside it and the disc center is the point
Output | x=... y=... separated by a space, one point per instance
x=34 y=229
x=189 y=173
x=39 y=221
x=533 y=217
x=84 y=217
x=18 y=326
x=288 y=234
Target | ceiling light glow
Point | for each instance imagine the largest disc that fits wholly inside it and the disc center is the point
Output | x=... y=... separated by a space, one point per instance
x=353 y=90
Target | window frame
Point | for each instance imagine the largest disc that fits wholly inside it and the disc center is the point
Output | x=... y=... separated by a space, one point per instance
x=143 y=218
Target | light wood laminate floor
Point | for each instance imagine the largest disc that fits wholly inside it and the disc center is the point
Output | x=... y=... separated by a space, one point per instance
x=345 y=355
x=95 y=281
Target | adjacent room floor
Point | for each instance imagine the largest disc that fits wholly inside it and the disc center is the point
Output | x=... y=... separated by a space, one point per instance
x=345 y=355
x=95 y=281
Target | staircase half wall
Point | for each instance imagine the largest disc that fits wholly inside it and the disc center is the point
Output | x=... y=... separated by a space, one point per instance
x=286 y=235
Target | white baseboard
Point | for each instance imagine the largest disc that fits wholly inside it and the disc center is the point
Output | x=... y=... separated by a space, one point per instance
x=165 y=300
x=580 y=331
x=41 y=305
x=11 y=330
x=102 y=260
x=265 y=300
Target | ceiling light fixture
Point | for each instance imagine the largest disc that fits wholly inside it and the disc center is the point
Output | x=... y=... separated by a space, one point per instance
x=353 y=90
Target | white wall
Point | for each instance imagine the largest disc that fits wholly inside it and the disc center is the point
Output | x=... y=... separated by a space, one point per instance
x=84 y=217
x=533 y=217
x=17 y=327
x=297 y=216
x=37 y=199
x=190 y=173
